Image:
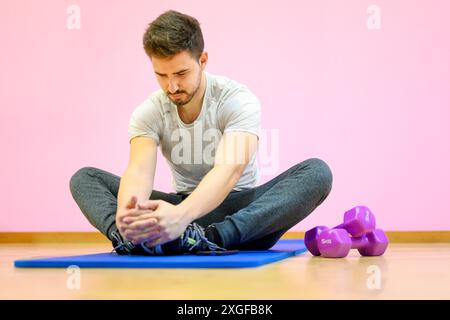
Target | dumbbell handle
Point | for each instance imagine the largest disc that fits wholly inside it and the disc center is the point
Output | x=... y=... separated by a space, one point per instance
x=359 y=242
x=355 y=230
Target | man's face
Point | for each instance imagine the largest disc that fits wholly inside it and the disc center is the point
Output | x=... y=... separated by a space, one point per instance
x=179 y=76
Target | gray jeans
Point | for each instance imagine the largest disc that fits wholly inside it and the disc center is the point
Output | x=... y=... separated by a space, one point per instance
x=253 y=219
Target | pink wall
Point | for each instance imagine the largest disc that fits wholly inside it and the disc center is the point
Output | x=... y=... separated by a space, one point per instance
x=374 y=104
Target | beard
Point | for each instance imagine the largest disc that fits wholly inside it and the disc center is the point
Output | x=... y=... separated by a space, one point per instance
x=185 y=97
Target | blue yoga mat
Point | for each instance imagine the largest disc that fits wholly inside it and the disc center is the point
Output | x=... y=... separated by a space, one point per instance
x=243 y=259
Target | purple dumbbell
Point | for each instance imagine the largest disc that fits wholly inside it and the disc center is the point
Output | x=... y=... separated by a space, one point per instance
x=336 y=243
x=357 y=221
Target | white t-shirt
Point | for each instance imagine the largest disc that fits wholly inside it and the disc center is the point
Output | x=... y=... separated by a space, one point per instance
x=189 y=149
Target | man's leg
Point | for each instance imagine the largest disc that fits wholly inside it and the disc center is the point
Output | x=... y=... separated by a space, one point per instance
x=256 y=219
x=95 y=192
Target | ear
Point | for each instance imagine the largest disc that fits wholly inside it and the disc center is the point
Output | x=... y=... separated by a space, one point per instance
x=204 y=59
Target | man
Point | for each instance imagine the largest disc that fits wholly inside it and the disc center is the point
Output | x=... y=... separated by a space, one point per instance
x=207 y=127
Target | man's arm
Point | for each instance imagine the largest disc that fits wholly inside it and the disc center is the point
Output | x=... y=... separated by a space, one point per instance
x=139 y=175
x=137 y=180
x=233 y=154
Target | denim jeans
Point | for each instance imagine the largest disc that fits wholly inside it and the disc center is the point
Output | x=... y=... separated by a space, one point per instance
x=252 y=219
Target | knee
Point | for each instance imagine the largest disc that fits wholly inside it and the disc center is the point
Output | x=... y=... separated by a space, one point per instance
x=322 y=174
x=81 y=175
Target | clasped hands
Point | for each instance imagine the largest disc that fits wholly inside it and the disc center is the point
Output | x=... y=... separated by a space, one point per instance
x=153 y=221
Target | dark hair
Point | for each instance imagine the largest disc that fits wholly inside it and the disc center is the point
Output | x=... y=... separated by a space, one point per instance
x=171 y=33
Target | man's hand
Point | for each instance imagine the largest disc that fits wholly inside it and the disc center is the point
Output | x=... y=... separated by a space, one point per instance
x=132 y=209
x=164 y=223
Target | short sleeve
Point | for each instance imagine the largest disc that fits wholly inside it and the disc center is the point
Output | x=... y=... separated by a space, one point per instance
x=241 y=112
x=146 y=121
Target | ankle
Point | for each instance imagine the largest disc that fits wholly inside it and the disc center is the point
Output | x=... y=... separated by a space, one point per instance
x=213 y=235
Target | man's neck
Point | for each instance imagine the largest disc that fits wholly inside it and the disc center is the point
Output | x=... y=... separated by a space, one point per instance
x=189 y=112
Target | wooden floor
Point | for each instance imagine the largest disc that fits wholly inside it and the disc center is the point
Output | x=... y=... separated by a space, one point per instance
x=406 y=271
